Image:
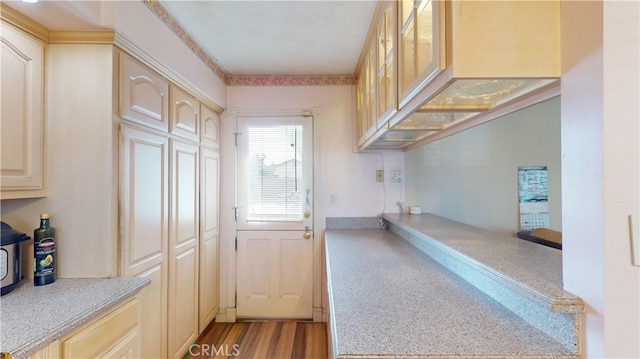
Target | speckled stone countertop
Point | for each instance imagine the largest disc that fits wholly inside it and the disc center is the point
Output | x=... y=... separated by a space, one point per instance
x=534 y=267
x=33 y=317
x=388 y=299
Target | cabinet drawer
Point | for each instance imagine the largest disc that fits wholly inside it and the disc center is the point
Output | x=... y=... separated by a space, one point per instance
x=103 y=333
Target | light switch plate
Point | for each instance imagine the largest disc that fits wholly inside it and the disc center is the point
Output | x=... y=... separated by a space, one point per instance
x=634 y=227
x=379 y=175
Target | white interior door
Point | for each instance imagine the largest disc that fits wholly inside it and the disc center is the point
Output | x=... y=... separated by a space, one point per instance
x=275 y=221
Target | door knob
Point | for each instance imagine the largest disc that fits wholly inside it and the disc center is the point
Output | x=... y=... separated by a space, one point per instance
x=306 y=235
x=307 y=214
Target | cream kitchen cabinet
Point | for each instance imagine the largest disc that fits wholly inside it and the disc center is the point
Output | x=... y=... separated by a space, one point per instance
x=210 y=127
x=367 y=110
x=144 y=185
x=209 y=235
x=162 y=198
x=421 y=47
x=184 y=112
x=386 y=64
x=22 y=164
x=143 y=94
x=184 y=242
x=376 y=97
x=463 y=63
x=115 y=334
x=51 y=351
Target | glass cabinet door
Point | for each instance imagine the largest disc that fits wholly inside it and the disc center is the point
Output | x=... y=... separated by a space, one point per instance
x=366 y=105
x=420 y=45
x=386 y=70
x=361 y=109
x=370 y=98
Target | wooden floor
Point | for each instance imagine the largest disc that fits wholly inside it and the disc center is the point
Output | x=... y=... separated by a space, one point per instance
x=268 y=340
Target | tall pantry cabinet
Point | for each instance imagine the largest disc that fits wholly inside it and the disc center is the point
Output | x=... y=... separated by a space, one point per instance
x=169 y=180
x=131 y=156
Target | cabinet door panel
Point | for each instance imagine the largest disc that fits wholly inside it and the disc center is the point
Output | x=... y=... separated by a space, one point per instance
x=184 y=197
x=144 y=191
x=145 y=225
x=143 y=94
x=185 y=114
x=153 y=324
x=183 y=301
x=22 y=115
x=210 y=122
x=209 y=231
x=184 y=244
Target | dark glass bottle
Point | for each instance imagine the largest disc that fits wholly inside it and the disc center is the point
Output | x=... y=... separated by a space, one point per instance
x=44 y=252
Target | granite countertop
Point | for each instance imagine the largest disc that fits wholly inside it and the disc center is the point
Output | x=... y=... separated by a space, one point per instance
x=33 y=317
x=535 y=268
x=388 y=299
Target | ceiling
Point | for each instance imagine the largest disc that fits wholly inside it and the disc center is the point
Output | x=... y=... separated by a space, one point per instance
x=271 y=38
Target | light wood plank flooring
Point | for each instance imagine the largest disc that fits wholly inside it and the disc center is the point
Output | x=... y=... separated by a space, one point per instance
x=262 y=340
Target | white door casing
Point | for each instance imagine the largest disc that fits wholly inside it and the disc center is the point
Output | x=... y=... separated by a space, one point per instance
x=275 y=246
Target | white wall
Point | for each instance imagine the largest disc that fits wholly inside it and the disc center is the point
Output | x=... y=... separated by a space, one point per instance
x=621 y=175
x=472 y=176
x=348 y=175
x=582 y=165
x=600 y=117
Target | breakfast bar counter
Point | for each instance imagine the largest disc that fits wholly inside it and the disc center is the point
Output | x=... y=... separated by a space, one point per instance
x=388 y=299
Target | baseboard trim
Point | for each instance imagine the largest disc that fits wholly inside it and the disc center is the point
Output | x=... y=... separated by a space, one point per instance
x=226 y=315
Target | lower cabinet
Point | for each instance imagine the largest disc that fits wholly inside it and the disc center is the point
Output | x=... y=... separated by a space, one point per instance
x=114 y=335
x=51 y=351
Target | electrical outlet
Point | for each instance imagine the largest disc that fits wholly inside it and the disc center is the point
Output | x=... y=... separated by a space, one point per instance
x=333 y=198
x=379 y=175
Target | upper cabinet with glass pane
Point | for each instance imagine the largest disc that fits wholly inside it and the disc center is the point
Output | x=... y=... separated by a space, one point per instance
x=421 y=35
x=386 y=65
x=464 y=60
x=376 y=92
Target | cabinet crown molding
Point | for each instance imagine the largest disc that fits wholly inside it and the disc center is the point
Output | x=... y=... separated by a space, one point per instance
x=16 y=19
x=106 y=36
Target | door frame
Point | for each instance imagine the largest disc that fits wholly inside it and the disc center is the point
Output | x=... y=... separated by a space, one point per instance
x=228 y=312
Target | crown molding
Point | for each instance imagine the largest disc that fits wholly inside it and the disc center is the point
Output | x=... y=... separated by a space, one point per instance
x=16 y=19
x=82 y=37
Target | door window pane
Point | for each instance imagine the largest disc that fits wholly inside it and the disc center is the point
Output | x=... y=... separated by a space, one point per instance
x=274 y=181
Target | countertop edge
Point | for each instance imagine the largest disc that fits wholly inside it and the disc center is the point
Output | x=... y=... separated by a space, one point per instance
x=565 y=304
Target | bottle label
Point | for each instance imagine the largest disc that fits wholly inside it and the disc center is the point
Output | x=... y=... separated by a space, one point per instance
x=44 y=258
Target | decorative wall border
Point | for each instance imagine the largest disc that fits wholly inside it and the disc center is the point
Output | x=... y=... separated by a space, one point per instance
x=241 y=80
x=156 y=7
x=329 y=80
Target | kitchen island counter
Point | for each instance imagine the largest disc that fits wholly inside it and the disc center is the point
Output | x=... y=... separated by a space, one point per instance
x=33 y=317
x=389 y=299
